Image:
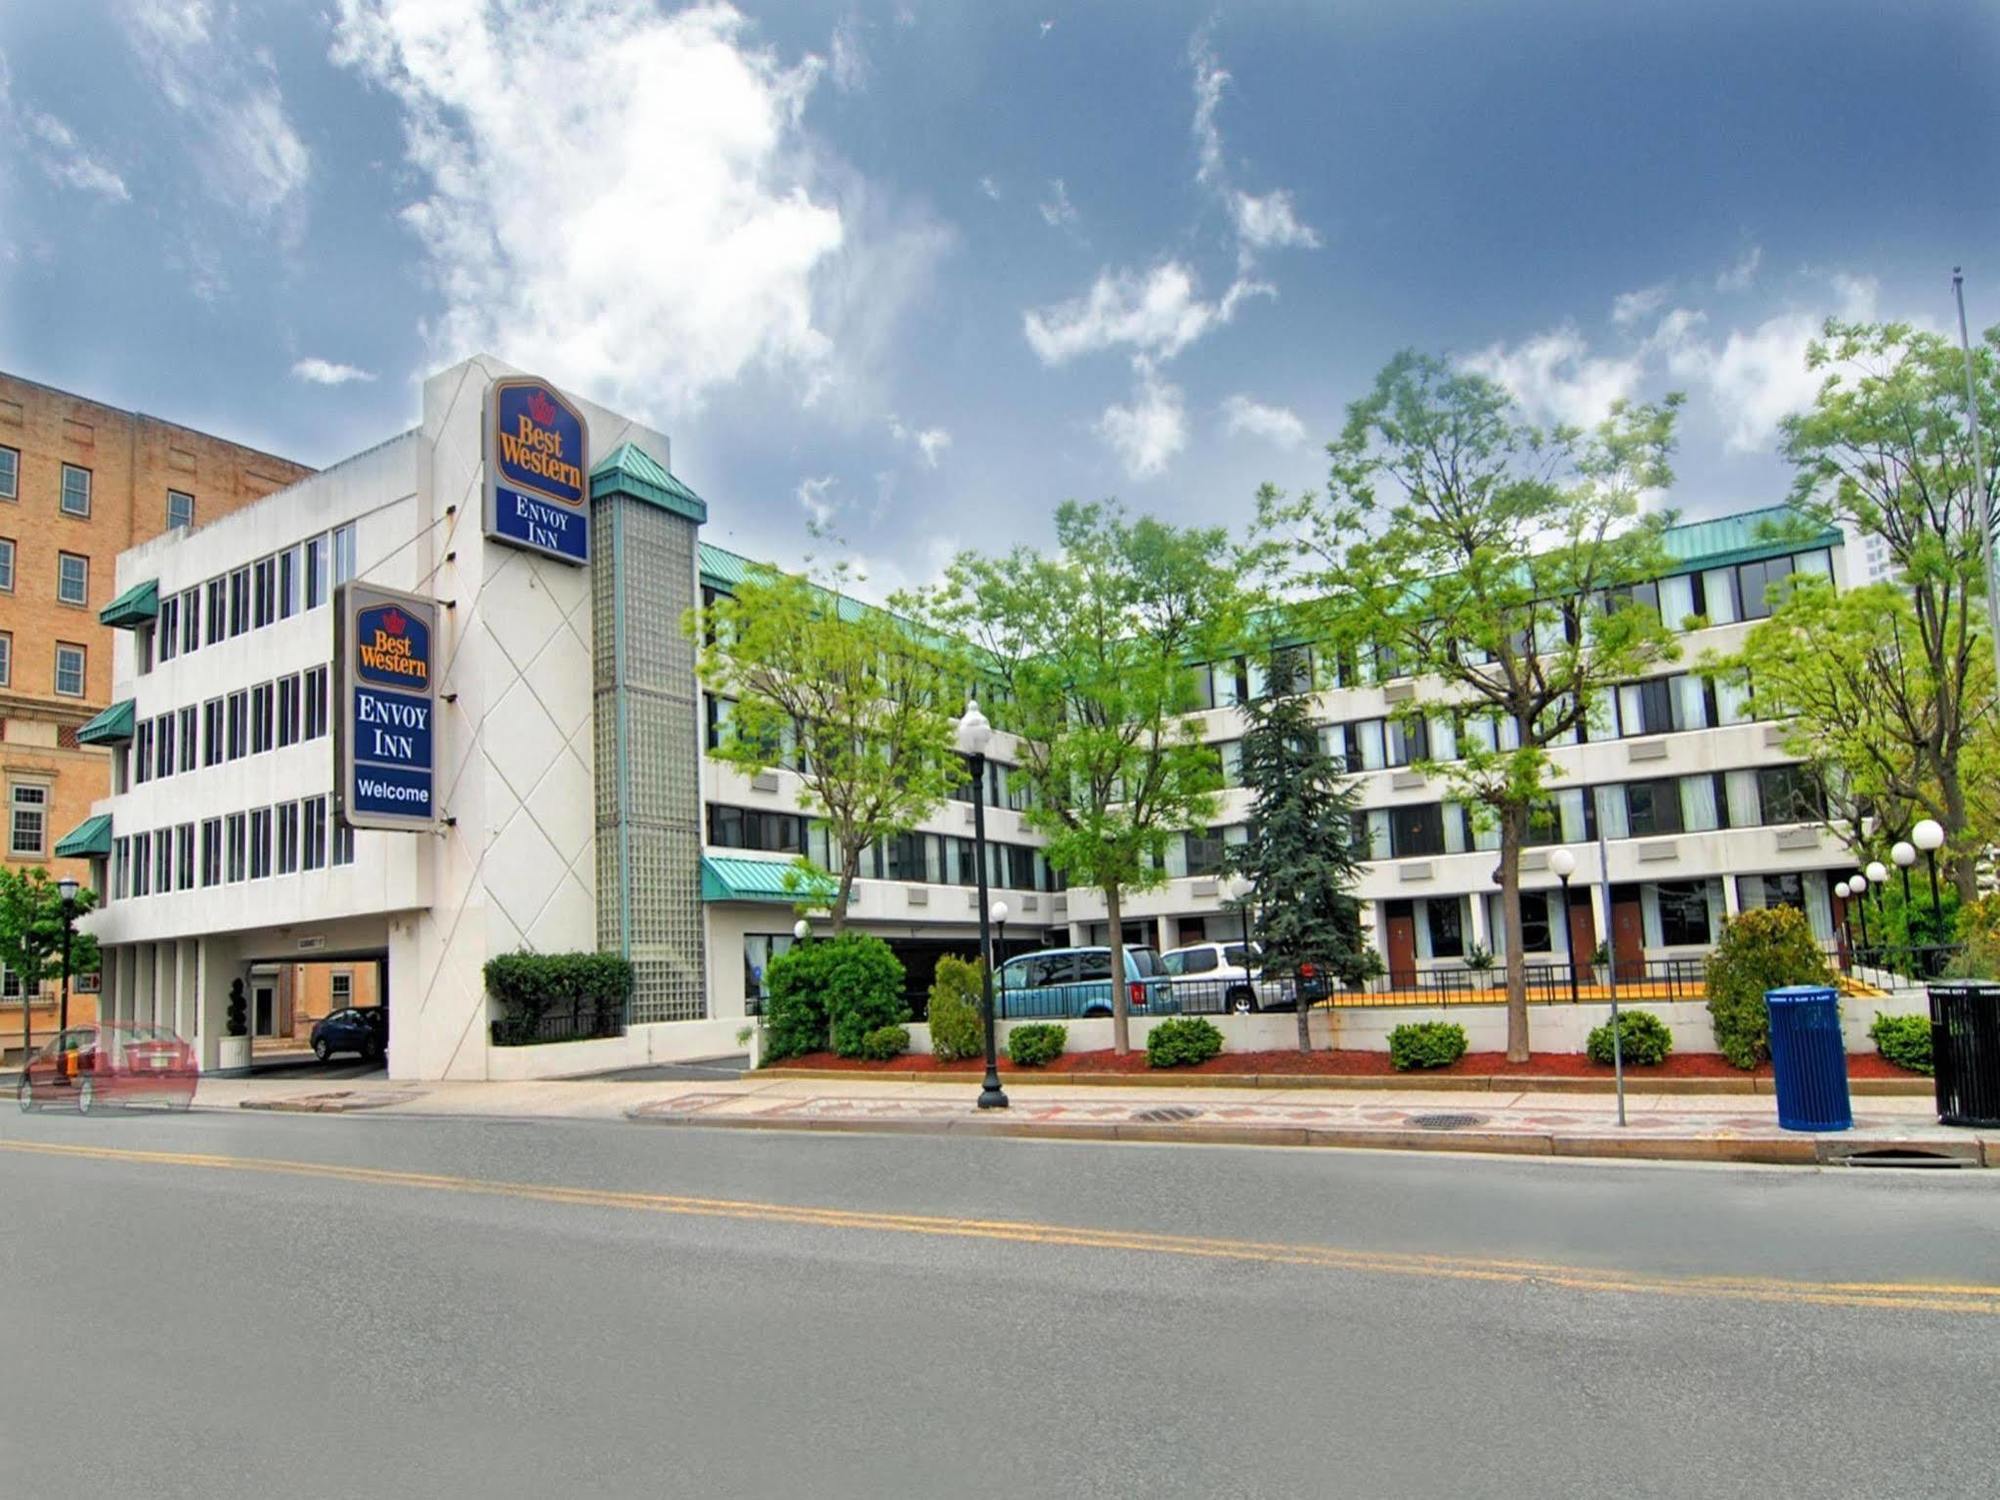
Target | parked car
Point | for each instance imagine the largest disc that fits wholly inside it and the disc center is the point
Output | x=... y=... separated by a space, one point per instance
x=363 y=1029
x=110 y=1064
x=1077 y=982
x=1226 y=976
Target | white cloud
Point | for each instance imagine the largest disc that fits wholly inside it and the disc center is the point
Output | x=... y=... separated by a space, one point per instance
x=1158 y=314
x=1147 y=434
x=1047 y=27
x=990 y=188
x=244 y=144
x=1738 y=277
x=1210 y=77
x=930 y=442
x=846 y=59
x=56 y=149
x=1554 y=376
x=812 y=497
x=1267 y=221
x=1057 y=210
x=327 y=372
x=629 y=201
x=1270 y=223
x=1276 y=424
x=1629 y=307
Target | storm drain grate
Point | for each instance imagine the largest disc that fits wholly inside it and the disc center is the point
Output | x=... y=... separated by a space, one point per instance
x=1167 y=1114
x=1446 y=1122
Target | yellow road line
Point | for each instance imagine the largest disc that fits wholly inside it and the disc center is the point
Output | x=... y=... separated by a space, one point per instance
x=1901 y=1296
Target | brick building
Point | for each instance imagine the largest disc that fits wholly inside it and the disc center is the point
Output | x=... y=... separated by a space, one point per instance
x=80 y=482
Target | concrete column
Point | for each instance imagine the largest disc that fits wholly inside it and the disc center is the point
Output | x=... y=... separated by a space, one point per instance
x=107 y=984
x=142 y=982
x=216 y=966
x=187 y=989
x=1731 y=906
x=1480 y=936
x=1166 y=933
x=166 y=977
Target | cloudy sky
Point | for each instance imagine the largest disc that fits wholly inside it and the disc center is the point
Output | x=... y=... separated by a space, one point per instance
x=920 y=271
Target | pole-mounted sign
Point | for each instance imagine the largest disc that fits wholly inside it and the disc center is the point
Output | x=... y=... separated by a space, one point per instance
x=385 y=671
x=537 y=469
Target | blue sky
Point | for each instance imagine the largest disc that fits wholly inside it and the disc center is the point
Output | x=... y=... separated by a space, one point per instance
x=921 y=272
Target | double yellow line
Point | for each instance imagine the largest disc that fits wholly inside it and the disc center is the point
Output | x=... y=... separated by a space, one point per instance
x=1899 y=1296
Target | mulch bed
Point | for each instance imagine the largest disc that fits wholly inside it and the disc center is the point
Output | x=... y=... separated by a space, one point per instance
x=1343 y=1064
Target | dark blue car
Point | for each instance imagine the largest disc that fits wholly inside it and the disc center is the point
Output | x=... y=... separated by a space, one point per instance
x=354 y=1028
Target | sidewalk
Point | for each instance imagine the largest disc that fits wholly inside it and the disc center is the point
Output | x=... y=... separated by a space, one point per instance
x=1667 y=1127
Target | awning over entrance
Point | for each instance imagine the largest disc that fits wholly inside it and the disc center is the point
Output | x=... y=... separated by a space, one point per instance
x=725 y=877
x=138 y=605
x=112 y=727
x=90 y=839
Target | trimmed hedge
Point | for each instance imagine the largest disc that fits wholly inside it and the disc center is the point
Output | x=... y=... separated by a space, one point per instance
x=846 y=987
x=1182 y=1042
x=1036 y=1044
x=592 y=988
x=1426 y=1044
x=956 y=1020
x=885 y=1042
x=1904 y=1041
x=1644 y=1040
x=1760 y=950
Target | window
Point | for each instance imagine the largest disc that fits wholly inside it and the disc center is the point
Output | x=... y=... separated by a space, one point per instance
x=1204 y=852
x=10 y=473
x=28 y=823
x=264 y=592
x=121 y=869
x=343 y=844
x=748 y=828
x=163 y=861
x=236 y=830
x=1445 y=919
x=717 y=714
x=180 y=509
x=190 y=621
x=1194 y=961
x=315 y=705
x=239 y=724
x=288 y=711
x=343 y=987
x=211 y=732
x=142 y=751
x=288 y=838
x=343 y=554
x=288 y=583
x=260 y=718
x=142 y=864
x=312 y=813
x=163 y=733
x=184 y=857
x=1535 y=933
x=6 y=566
x=758 y=951
x=1789 y=794
x=75 y=490
x=316 y=572
x=239 y=601
x=69 y=670
x=142 y=649
x=218 y=609
x=1652 y=807
x=169 y=627
x=186 y=735
x=72 y=578
x=211 y=851
x=6 y=658
x=1683 y=913
x=1407 y=740
x=1416 y=830
x=260 y=843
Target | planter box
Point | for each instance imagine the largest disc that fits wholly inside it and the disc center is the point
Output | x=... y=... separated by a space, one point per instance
x=232 y=1054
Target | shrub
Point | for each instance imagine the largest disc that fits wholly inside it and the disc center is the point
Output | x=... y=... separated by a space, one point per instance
x=592 y=989
x=1426 y=1044
x=1979 y=931
x=1759 y=950
x=957 y=1029
x=1037 y=1044
x=849 y=985
x=1182 y=1042
x=1644 y=1040
x=1904 y=1041
x=885 y=1042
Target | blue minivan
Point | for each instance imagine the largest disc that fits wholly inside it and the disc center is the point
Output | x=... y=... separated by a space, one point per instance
x=1072 y=982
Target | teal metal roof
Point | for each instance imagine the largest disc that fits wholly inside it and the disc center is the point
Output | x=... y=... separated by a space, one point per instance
x=730 y=877
x=631 y=470
x=1745 y=536
x=112 y=727
x=90 y=839
x=137 y=606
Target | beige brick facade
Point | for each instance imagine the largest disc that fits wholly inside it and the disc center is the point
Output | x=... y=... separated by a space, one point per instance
x=79 y=483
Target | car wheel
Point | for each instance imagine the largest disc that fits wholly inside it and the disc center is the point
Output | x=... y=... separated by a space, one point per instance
x=26 y=1094
x=86 y=1097
x=321 y=1050
x=1242 y=1003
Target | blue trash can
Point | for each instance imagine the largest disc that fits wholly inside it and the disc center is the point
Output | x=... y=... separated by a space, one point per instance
x=1809 y=1058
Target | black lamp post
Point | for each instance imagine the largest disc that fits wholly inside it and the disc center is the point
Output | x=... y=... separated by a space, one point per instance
x=1905 y=855
x=67 y=888
x=1928 y=836
x=1857 y=888
x=974 y=735
x=1564 y=864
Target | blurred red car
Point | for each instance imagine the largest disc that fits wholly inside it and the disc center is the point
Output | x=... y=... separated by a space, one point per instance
x=108 y=1064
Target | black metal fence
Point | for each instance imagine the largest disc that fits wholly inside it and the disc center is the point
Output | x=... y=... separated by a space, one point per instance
x=1886 y=966
x=581 y=1022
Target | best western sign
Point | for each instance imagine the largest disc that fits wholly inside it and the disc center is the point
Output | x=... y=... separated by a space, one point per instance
x=537 y=470
x=384 y=660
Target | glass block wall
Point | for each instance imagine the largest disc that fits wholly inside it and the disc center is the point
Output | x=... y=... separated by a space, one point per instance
x=648 y=751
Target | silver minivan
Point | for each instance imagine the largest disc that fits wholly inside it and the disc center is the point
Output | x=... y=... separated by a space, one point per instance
x=1076 y=982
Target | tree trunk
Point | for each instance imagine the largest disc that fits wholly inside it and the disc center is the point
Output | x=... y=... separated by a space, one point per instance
x=1121 y=1004
x=850 y=870
x=1513 y=834
x=1302 y=1005
x=1962 y=853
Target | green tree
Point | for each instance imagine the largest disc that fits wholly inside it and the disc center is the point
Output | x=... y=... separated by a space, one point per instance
x=1892 y=687
x=1299 y=854
x=1493 y=560
x=849 y=696
x=1091 y=651
x=31 y=928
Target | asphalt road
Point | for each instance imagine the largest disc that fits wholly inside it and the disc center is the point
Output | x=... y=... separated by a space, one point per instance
x=267 y=1305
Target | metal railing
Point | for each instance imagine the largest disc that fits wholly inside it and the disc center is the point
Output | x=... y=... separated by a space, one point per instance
x=1894 y=966
x=580 y=1022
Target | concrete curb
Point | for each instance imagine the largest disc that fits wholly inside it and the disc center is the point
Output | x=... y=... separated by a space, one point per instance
x=1801 y=1150
x=1429 y=1083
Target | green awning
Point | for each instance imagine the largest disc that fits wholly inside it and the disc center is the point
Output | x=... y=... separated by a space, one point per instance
x=726 y=877
x=138 y=605
x=631 y=470
x=90 y=839
x=112 y=727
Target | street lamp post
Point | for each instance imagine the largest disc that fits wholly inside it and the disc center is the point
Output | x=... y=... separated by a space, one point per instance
x=1878 y=876
x=1236 y=889
x=66 y=887
x=974 y=734
x=1928 y=836
x=1564 y=864
x=1857 y=887
x=1846 y=917
x=1905 y=855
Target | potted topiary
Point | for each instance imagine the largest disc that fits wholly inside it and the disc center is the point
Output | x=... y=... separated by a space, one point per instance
x=1480 y=961
x=233 y=1050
